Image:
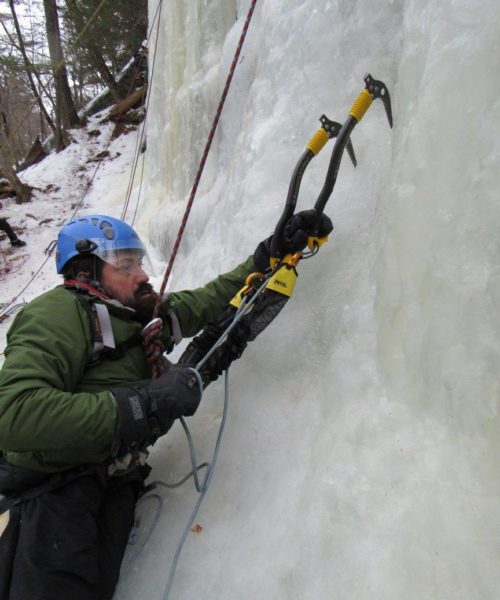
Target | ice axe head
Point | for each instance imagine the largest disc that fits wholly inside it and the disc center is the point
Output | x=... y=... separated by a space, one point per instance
x=378 y=89
x=333 y=129
x=374 y=89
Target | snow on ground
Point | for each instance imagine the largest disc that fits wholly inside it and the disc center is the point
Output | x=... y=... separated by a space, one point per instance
x=75 y=180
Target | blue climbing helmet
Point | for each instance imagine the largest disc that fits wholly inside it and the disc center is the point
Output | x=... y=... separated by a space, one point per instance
x=95 y=234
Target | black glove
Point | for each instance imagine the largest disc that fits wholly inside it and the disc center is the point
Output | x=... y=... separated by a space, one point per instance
x=297 y=230
x=262 y=255
x=304 y=225
x=147 y=410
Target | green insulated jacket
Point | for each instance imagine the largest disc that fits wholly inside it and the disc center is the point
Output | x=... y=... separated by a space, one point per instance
x=55 y=411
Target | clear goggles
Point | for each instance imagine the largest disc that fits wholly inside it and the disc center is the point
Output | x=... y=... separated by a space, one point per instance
x=130 y=261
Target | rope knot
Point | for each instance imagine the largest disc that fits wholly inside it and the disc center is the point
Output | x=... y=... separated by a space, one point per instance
x=154 y=347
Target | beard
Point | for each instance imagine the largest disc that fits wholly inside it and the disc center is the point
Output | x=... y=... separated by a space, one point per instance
x=144 y=303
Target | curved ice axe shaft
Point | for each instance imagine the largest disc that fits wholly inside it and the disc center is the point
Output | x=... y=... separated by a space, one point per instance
x=373 y=89
x=329 y=129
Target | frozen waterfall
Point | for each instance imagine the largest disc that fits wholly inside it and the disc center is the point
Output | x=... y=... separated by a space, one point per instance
x=360 y=459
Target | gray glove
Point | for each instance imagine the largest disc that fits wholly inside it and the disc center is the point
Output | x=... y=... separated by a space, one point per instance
x=147 y=409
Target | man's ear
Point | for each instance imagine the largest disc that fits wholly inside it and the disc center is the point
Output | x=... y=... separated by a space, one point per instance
x=83 y=276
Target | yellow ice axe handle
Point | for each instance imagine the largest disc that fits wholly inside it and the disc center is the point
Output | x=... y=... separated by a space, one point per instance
x=361 y=105
x=317 y=142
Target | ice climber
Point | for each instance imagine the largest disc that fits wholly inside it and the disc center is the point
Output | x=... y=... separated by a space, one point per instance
x=11 y=234
x=78 y=407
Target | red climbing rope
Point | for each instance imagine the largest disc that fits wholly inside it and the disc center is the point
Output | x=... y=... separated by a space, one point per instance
x=204 y=157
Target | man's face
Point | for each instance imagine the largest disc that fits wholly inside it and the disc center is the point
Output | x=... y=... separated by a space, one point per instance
x=125 y=280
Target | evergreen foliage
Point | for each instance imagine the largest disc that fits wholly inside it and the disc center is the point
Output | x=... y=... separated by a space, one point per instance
x=117 y=31
x=36 y=97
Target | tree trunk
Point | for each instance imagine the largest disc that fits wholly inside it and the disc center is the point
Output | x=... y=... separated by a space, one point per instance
x=23 y=192
x=35 y=155
x=66 y=115
x=29 y=70
x=135 y=99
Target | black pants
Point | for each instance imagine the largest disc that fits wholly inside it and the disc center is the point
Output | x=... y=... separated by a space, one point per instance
x=4 y=226
x=68 y=543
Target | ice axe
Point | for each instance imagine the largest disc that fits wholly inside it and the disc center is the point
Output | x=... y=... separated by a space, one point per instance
x=373 y=90
x=328 y=130
x=263 y=297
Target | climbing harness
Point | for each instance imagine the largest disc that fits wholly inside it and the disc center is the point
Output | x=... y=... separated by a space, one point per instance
x=104 y=346
x=264 y=295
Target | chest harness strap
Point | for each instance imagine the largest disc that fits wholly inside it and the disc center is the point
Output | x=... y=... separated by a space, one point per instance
x=103 y=339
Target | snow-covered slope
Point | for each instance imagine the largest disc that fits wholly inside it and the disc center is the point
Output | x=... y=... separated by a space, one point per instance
x=91 y=175
x=359 y=459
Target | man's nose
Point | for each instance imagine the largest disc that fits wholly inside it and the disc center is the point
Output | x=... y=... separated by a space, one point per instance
x=141 y=275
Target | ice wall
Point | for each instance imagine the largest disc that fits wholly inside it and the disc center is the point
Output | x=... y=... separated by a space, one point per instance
x=360 y=456
x=438 y=292
x=183 y=93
